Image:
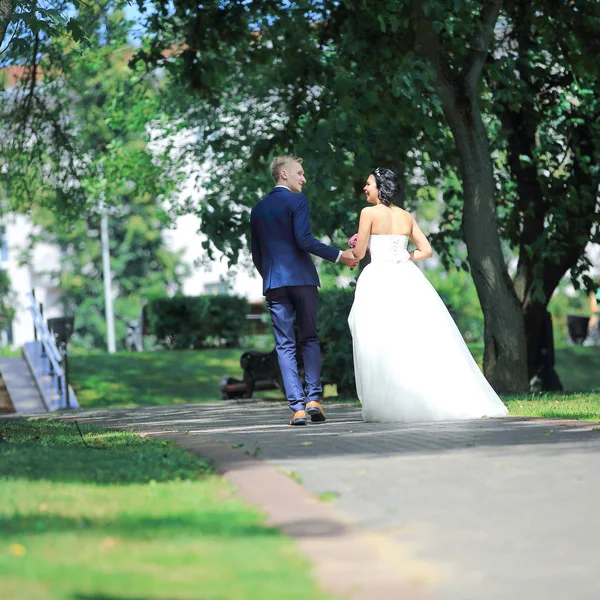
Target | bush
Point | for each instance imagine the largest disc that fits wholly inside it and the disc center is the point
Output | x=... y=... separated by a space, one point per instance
x=192 y=322
x=336 y=341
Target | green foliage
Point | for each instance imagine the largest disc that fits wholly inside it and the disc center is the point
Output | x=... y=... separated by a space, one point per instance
x=7 y=298
x=80 y=141
x=193 y=322
x=110 y=111
x=324 y=106
x=32 y=23
x=336 y=340
x=544 y=127
x=140 y=266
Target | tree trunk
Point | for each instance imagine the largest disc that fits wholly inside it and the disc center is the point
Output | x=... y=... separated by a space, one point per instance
x=6 y=10
x=540 y=349
x=505 y=358
x=521 y=127
x=505 y=355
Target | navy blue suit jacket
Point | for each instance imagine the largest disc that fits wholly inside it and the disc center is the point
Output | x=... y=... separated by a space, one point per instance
x=281 y=241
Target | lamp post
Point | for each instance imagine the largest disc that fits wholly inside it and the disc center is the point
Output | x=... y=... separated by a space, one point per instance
x=108 y=300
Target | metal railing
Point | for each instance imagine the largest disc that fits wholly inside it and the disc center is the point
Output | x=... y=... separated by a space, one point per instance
x=48 y=361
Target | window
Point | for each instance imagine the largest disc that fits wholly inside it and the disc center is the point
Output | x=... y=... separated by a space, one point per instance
x=3 y=245
x=216 y=288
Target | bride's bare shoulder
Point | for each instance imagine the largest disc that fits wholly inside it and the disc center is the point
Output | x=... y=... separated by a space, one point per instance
x=402 y=211
x=403 y=214
x=369 y=212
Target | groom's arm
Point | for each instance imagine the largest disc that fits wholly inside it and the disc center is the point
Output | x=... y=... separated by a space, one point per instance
x=255 y=246
x=304 y=238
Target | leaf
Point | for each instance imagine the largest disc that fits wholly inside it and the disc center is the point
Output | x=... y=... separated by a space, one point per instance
x=75 y=29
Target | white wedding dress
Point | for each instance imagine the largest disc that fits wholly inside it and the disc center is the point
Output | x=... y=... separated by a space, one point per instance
x=410 y=361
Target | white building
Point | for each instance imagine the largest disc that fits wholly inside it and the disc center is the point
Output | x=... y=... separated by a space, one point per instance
x=218 y=278
x=26 y=276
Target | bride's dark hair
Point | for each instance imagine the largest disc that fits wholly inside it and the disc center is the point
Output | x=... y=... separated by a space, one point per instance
x=388 y=185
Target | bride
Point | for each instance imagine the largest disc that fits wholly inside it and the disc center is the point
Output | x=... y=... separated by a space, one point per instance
x=410 y=361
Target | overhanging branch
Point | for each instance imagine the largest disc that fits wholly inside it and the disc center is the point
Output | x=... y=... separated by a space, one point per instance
x=428 y=45
x=6 y=10
x=476 y=58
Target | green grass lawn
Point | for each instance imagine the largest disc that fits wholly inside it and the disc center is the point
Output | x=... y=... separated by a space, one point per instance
x=577 y=366
x=585 y=407
x=125 y=517
x=151 y=378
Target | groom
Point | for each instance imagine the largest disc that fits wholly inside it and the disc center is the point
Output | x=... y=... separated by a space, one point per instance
x=281 y=245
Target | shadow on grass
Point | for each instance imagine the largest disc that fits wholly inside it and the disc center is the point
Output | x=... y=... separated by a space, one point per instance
x=203 y=523
x=54 y=451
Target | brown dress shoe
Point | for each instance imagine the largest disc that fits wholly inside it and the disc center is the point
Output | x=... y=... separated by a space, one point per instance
x=299 y=418
x=316 y=412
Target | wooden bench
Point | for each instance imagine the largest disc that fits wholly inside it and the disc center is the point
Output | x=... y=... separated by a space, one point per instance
x=261 y=372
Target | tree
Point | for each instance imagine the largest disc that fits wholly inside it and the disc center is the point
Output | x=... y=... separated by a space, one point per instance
x=112 y=117
x=26 y=26
x=41 y=155
x=7 y=299
x=6 y=10
x=353 y=84
x=543 y=78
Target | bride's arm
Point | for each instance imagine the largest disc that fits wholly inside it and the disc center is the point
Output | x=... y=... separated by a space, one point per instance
x=364 y=232
x=423 y=247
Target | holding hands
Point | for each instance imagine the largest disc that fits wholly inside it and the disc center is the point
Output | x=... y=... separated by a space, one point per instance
x=352 y=260
x=348 y=259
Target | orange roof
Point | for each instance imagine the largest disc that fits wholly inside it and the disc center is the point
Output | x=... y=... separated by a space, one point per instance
x=16 y=73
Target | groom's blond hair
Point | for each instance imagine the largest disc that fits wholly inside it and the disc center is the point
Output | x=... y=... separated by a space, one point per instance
x=279 y=163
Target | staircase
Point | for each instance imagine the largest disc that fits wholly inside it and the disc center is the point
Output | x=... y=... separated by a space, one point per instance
x=20 y=388
x=37 y=381
x=6 y=406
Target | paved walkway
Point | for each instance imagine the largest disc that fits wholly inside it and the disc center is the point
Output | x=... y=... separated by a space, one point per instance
x=494 y=508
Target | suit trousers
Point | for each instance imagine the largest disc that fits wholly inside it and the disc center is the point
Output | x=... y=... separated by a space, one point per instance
x=297 y=304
